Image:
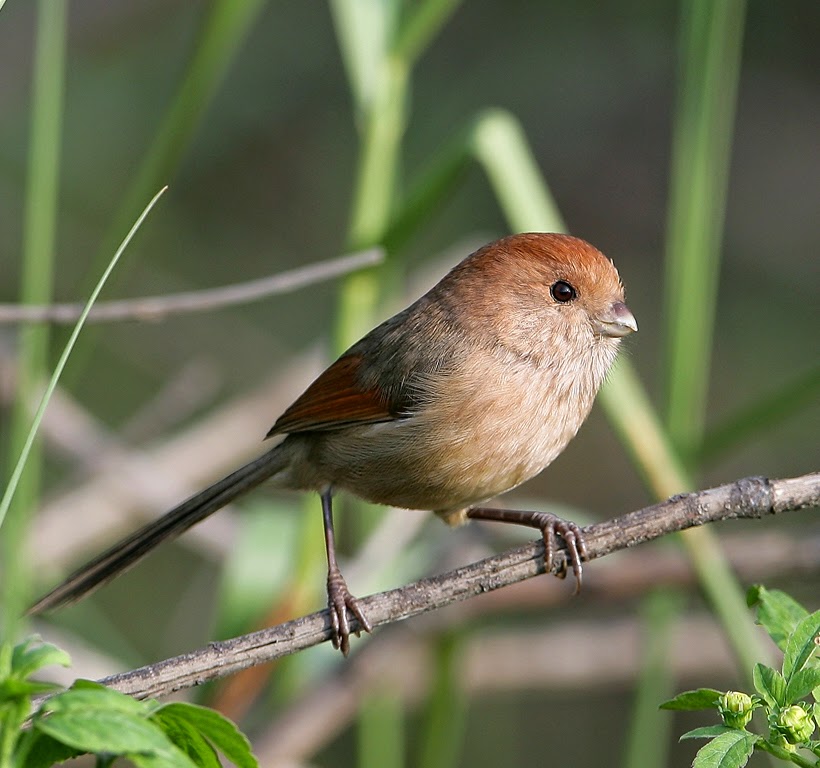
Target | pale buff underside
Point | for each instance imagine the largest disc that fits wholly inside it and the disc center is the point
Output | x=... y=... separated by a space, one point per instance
x=397 y=463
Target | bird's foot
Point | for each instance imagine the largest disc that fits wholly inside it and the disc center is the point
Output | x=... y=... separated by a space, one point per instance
x=340 y=601
x=551 y=526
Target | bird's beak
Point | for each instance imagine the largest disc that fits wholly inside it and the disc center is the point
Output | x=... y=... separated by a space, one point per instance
x=617 y=321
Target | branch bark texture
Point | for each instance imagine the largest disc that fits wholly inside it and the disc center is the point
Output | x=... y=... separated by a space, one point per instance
x=158 y=307
x=753 y=497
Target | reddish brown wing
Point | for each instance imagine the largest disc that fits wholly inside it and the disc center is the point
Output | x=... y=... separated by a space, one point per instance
x=333 y=401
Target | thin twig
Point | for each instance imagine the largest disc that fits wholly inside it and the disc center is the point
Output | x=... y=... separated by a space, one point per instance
x=747 y=498
x=156 y=307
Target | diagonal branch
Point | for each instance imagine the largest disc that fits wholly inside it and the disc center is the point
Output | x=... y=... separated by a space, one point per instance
x=753 y=497
x=157 y=307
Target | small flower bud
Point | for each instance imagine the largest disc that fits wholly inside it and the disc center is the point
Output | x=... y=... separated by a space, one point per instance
x=736 y=709
x=795 y=724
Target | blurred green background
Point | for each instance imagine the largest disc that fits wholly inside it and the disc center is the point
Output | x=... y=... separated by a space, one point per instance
x=264 y=180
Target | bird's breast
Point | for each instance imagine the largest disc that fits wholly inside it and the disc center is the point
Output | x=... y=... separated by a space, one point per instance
x=476 y=435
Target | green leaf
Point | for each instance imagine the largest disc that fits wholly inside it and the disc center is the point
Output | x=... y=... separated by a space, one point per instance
x=802 y=684
x=38 y=750
x=220 y=731
x=188 y=739
x=12 y=716
x=708 y=732
x=27 y=657
x=770 y=684
x=777 y=612
x=86 y=695
x=801 y=645
x=701 y=698
x=112 y=731
x=729 y=750
x=142 y=760
x=12 y=688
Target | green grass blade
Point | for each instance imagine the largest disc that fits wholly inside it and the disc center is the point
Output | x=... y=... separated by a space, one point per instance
x=502 y=149
x=380 y=731
x=648 y=742
x=40 y=225
x=8 y=495
x=364 y=30
x=445 y=711
x=711 y=47
x=423 y=23
x=58 y=370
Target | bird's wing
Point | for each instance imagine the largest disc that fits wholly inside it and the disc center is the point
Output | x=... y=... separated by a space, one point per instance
x=336 y=400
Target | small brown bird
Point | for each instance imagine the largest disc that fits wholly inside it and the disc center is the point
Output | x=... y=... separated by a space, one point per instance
x=470 y=391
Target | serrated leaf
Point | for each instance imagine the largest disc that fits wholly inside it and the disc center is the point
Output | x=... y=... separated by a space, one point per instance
x=777 y=612
x=770 y=684
x=708 y=732
x=112 y=731
x=701 y=698
x=188 y=738
x=802 y=684
x=32 y=655
x=220 y=731
x=729 y=750
x=801 y=645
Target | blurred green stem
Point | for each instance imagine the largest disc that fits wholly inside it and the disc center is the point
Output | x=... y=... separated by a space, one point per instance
x=37 y=283
x=631 y=414
x=445 y=711
x=711 y=38
x=381 y=731
x=648 y=742
x=422 y=24
x=389 y=45
x=384 y=121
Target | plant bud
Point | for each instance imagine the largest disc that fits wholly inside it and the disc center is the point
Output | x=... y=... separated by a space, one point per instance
x=795 y=724
x=736 y=709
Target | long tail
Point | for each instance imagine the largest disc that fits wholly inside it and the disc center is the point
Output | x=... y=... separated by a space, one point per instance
x=132 y=549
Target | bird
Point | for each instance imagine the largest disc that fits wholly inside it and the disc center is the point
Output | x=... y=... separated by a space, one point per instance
x=468 y=392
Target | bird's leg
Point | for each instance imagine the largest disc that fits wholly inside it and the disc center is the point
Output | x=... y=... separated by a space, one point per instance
x=339 y=599
x=550 y=526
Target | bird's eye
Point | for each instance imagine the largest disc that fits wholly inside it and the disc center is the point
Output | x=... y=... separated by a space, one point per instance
x=562 y=292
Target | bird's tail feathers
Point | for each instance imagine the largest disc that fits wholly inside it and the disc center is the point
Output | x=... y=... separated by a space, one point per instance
x=133 y=548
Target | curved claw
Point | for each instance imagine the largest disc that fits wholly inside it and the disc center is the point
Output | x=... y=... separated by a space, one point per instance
x=340 y=601
x=576 y=547
x=550 y=527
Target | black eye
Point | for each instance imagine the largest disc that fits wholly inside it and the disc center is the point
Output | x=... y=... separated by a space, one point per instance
x=562 y=292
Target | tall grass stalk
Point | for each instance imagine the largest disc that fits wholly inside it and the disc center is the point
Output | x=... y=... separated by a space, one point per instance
x=25 y=453
x=711 y=41
x=37 y=282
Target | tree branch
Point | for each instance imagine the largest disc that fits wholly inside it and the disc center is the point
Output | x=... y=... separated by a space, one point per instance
x=156 y=307
x=753 y=497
